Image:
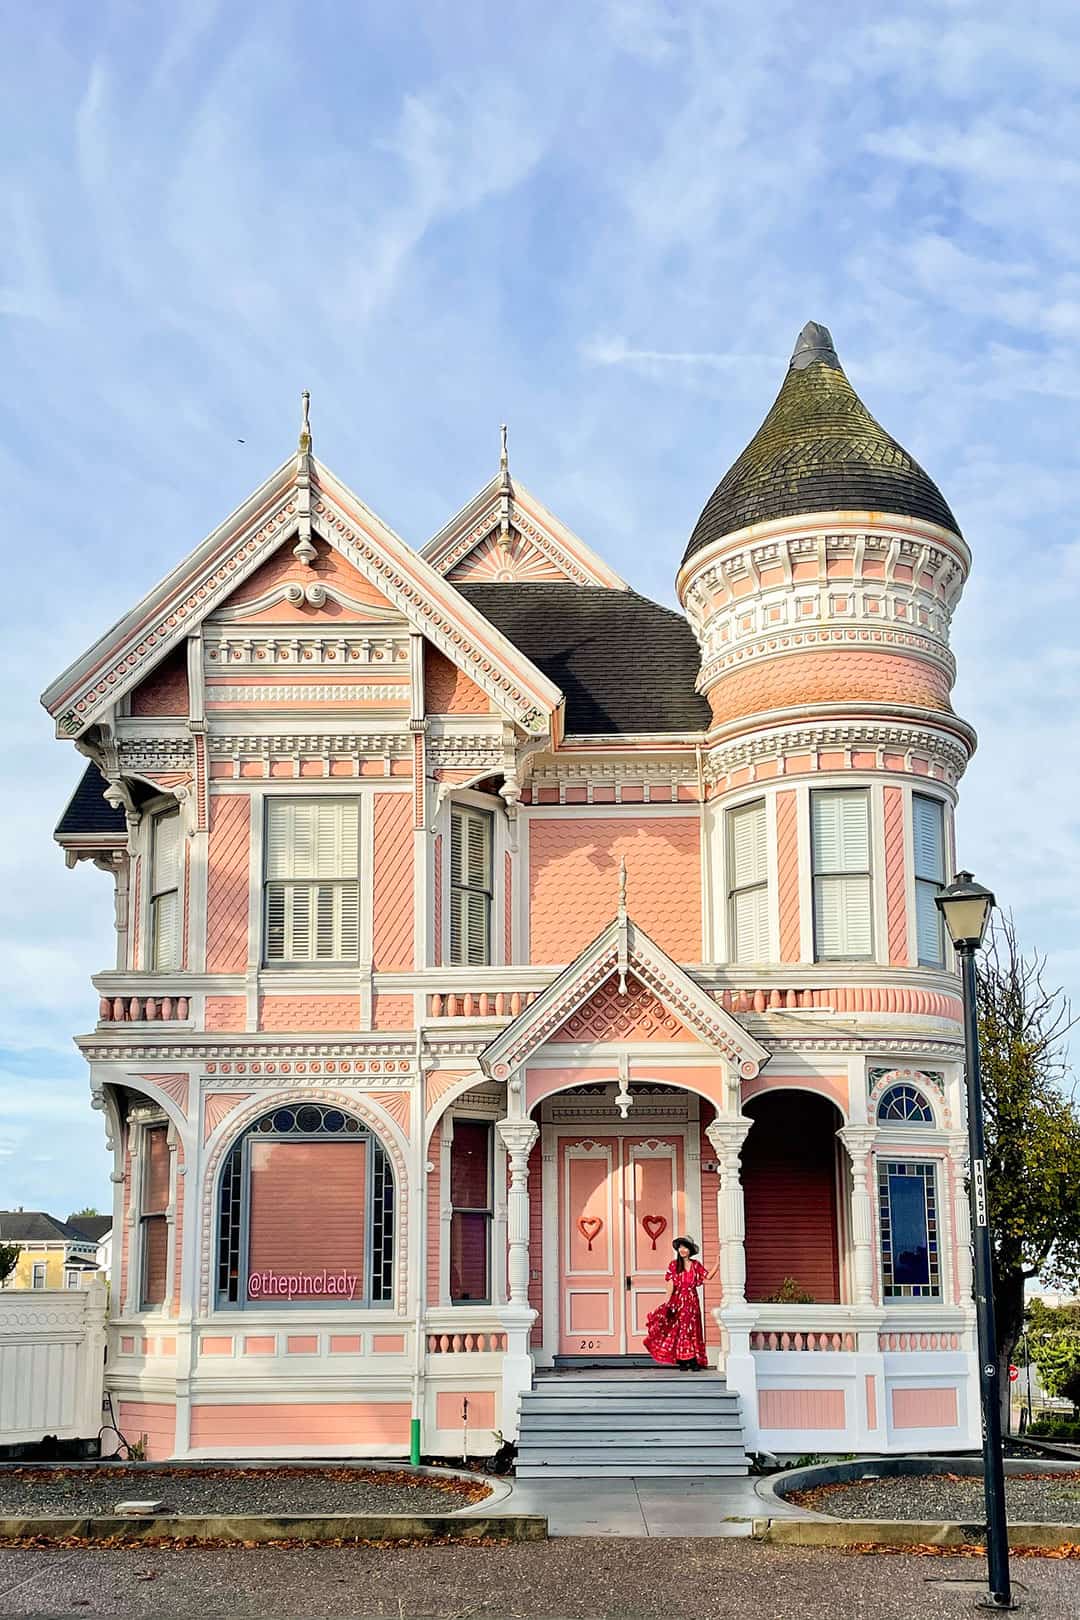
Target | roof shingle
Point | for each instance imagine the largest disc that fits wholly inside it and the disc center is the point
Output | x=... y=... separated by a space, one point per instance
x=626 y=664
x=88 y=811
x=818 y=450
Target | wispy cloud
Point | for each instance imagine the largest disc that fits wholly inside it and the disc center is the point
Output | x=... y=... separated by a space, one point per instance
x=604 y=223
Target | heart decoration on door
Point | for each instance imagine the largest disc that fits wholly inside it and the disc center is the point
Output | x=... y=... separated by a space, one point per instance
x=654 y=1225
x=590 y=1227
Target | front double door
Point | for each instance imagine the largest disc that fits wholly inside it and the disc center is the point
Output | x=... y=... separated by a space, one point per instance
x=621 y=1202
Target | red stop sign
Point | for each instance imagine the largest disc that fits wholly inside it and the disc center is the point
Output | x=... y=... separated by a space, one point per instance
x=1014 y=1373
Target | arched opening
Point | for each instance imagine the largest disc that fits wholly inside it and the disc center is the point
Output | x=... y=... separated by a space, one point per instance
x=790 y=1184
x=306 y=1212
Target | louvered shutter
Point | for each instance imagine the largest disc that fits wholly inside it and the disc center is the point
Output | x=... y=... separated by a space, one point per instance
x=313 y=889
x=470 y=887
x=928 y=836
x=840 y=847
x=750 y=892
x=164 y=890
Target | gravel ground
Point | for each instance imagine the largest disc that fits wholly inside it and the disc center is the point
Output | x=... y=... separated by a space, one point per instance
x=575 y=1579
x=232 y=1490
x=1028 y=1499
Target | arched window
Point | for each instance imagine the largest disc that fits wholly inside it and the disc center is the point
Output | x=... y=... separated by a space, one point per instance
x=903 y=1105
x=306 y=1212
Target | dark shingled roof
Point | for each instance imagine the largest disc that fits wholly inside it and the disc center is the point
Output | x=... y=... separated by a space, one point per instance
x=34 y=1226
x=92 y=1227
x=818 y=450
x=625 y=664
x=87 y=810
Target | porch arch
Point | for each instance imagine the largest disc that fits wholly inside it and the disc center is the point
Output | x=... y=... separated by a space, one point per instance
x=792 y=1179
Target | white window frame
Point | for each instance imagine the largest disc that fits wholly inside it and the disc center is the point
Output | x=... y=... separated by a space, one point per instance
x=72 y=1277
x=866 y=873
x=924 y=883
x=165 y=960
x=39 y=1269
x=760 y=885
x=458 y=894
x=346 y=890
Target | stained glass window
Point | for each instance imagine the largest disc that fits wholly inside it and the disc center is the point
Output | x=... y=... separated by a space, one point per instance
x=904 y=1105
x=910 y=1248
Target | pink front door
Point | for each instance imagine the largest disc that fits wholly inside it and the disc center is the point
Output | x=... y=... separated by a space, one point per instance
x=621 y=1201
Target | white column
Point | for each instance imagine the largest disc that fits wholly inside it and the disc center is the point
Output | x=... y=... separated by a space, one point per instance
x=727 y=1137
x=518 y=1137
x=958 y=1165
x=858 y=1141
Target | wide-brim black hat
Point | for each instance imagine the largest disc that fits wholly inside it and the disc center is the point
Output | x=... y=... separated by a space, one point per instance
x=685 y=1242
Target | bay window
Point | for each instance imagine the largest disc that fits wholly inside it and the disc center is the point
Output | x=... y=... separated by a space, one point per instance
x=748 y=889
x=312 y=888
x=470 y=886
x=165 y=891
x=153 y=1218
x=471 y=1211
x=928 y=836
x=840 y=853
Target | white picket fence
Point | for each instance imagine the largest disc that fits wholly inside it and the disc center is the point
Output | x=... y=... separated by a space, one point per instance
x=52 y=1363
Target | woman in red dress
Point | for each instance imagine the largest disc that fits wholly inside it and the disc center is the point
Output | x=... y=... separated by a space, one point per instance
x=674 y=1336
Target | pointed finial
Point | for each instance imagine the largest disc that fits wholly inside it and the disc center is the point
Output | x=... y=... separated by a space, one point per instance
x=814 y=342
x=504 y=449
x=622 y=887
x=305 y=423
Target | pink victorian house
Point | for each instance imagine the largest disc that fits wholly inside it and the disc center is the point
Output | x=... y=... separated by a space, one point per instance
x=482 y=925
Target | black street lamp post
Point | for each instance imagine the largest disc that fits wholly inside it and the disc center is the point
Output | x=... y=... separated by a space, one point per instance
x=966 y=906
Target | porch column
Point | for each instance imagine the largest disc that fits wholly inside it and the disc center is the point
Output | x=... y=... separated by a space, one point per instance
x=858 y=1141
x=955 y=1169
x=518 y=1137
x=727 y=1137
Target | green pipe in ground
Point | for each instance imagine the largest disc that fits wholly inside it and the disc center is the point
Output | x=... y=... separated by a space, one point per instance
x=414 y=1442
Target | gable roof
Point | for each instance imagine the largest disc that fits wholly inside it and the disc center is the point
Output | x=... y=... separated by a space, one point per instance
x=818 y=450
x=619 y=950
x=89 y=813
x=626 y=664
x=35 y=1226
x=504 y=506
x=300 y=499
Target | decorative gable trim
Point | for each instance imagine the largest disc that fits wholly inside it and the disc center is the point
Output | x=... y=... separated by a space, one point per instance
x=621 y=949
x=308 y=502
x=495 y=510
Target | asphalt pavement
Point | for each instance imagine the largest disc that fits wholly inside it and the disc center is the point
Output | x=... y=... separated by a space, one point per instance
x=575 y=1578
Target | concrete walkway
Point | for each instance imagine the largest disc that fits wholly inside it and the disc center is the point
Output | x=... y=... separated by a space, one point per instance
x=643 y=1507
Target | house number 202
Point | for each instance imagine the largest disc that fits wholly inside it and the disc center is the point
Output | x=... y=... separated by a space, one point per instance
x=590 y=1344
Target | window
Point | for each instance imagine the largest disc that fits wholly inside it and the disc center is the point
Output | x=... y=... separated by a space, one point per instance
x=470 y=1202
x=306 y=1213
x=840 y=851
x=165 y=892
x=748 y=894
x=903 y=1105
x=910 y=1257
x=928 y=831
x=40 y=1274
x=153 y=1220
x=470 y=887
x=71 y=1277
x=313 y=881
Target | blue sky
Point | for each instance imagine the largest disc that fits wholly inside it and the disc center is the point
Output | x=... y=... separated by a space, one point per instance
x=601 y=222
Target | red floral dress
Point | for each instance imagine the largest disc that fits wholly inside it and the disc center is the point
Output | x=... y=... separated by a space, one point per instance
x=673 y=1330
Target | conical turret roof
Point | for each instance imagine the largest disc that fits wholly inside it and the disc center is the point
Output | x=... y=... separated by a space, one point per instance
x=818 y=450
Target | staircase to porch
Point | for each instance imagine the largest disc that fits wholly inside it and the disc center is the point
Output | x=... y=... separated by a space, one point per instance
x=618 y=1419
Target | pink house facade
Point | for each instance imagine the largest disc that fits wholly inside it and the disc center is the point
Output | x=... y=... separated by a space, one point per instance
x=481 y=926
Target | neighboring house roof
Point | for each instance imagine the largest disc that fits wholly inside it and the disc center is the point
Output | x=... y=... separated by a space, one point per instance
x=818 y=450
x=93 y=1227
x=89 y=812
x=35 y=1226
x=626 y=665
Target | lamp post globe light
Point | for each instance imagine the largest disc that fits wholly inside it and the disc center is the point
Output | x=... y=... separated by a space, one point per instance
x=966 y=906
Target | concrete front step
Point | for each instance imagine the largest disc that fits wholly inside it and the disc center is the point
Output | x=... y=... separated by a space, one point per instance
x=671 y=1407
x=635 y=1470
x=611 y=1449
x=554 y=1430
